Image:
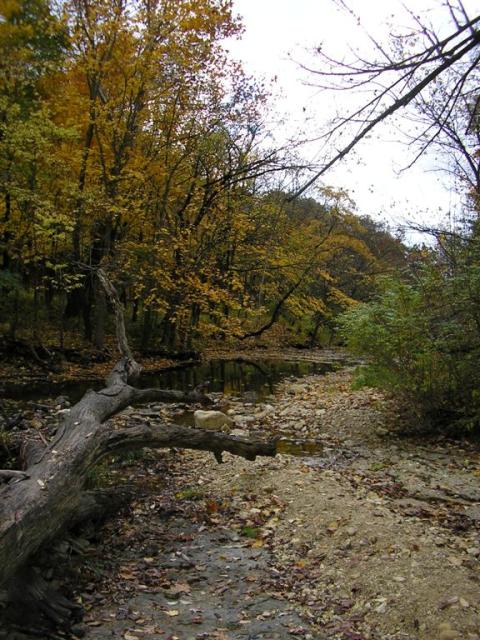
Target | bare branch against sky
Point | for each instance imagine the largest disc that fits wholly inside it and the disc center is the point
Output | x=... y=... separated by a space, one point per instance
x=407 y=66
x=359 y=133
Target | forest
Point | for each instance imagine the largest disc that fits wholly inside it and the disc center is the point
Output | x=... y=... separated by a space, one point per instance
x=147 y=216
x=121 y=149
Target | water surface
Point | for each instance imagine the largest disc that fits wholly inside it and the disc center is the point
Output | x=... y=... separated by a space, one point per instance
x=256 y=378
x=253 y=380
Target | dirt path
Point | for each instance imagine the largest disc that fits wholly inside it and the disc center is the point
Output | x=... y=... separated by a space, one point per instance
x=372 y=537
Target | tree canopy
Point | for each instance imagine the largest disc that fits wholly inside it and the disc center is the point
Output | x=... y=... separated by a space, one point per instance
x=130 y=140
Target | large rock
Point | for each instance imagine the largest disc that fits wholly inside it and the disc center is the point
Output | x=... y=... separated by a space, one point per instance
x=214 y=420
x=296 y=389
x=264 y=411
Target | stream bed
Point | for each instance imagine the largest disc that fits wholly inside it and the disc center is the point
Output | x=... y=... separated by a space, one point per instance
x=235 y=377
x=254 y=378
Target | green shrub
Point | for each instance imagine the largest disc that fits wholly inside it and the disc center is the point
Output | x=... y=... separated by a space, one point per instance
x=422 y=341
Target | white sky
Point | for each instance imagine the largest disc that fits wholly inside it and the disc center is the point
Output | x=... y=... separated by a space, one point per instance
x=279 y=32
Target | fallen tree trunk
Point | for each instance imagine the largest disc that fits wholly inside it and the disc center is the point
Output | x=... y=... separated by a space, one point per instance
x=34 y=510
x=36 y=507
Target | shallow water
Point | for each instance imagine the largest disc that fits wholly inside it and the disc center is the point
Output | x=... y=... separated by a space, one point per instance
x=255 y=378
x=305 y=449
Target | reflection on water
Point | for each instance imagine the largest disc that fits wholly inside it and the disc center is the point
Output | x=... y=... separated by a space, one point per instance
x=236 y=377
x=252 y=379
x=299 y=448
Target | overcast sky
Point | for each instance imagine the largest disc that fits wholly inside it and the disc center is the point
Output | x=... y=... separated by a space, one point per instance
x=280 y=33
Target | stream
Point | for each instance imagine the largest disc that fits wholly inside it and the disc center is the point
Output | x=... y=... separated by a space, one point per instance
x=352 y=519
x=253 y=379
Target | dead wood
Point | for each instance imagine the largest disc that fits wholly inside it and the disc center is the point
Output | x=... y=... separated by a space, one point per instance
x=38 y=505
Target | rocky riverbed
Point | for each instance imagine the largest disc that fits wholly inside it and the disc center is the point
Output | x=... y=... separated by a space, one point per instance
x=360 y=535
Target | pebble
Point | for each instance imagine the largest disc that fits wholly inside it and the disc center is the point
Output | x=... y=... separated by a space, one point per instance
x=445 y=632
x=448 y=602
x=295 y=389
x=239 y=433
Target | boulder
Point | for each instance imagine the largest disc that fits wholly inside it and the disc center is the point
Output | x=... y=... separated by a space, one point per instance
x=213 y=420
x=296 y=389
x=264 y=411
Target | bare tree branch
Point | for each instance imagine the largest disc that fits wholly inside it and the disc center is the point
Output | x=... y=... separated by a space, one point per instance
x=412 y=74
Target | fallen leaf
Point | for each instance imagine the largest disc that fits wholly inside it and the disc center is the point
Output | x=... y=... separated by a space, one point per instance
x=257 y=544
x=297 y=631
x=172 y=613
x=180 y=587
x=212 y=506
x=448 y=602
x=127 y=575
x=457 y=562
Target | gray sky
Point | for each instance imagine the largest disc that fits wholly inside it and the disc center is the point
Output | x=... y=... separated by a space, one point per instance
x=280 y=32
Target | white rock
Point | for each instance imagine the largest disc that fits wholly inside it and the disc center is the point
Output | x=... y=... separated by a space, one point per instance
x=214 y=420
x=296 y=388
x=240 y=433
x=264 y=411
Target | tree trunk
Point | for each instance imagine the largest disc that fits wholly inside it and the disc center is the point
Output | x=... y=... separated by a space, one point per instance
x=13 y=325
x=37 y=507
x=318 y=320
x=100 y=317
x=6 y=234
x=146 y=329
x=169 y=336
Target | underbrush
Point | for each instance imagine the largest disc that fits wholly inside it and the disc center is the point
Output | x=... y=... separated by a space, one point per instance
x=422 y=343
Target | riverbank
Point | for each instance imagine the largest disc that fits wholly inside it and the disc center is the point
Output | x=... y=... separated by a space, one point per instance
x=20 y=377
x=367 y=537
x=377 y=536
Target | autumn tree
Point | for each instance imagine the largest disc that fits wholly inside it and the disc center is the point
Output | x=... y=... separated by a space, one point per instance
x=304 y=262
x=33 y=42
x=134 y=155
x=166 y=139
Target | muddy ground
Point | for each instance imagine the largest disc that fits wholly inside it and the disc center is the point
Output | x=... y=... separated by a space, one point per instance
x=364 y=536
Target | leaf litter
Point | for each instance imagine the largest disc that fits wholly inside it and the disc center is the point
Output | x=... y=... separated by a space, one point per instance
x=373 y=537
